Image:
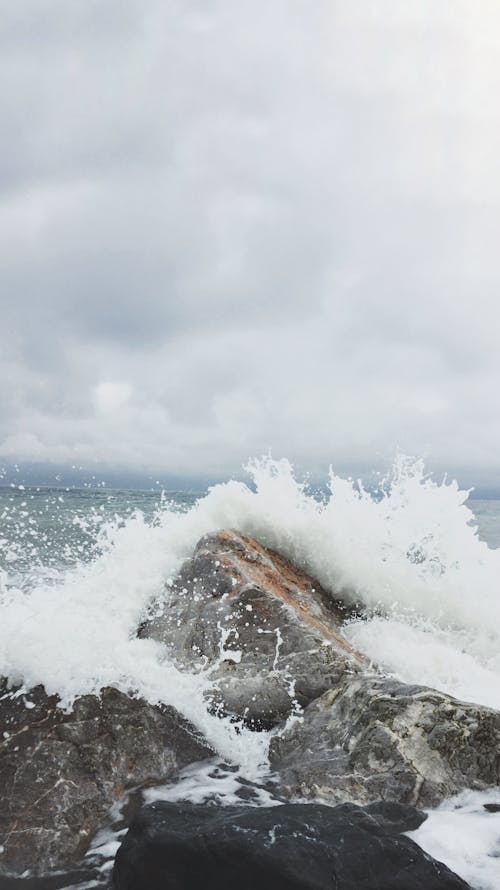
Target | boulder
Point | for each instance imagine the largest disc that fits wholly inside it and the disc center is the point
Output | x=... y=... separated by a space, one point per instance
x=268 y=635
x=291 y=847
x=372 y=738
x=60 y=773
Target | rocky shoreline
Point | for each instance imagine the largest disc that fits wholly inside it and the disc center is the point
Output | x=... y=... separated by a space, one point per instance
x=363 y=750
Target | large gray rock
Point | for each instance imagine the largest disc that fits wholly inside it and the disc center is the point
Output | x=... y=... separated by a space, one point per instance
x=61 y=772
x=268 y=634
x=377 y=739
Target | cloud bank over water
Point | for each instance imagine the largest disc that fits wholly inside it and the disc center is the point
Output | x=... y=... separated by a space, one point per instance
x=233 y=227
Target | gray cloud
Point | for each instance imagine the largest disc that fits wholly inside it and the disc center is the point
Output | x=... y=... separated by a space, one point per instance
x=229 y=227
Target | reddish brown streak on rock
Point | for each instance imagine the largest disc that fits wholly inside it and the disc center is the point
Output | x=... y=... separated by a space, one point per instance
x=273 y=573
x=269 y=571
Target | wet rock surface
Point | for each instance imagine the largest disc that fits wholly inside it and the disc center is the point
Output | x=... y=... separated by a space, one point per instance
x=291 y=847
x=371 y=738
x=77 y=879
x=60 y=773
x=267 y=632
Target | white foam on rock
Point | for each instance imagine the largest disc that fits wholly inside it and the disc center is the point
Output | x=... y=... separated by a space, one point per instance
x=212 y=782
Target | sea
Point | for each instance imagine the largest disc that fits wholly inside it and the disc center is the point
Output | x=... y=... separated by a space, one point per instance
x=420 y=557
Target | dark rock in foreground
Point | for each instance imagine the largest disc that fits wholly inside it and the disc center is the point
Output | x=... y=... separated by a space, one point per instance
x=61 y=772
x=291 y=847
x=373 y=738
x=268 y=632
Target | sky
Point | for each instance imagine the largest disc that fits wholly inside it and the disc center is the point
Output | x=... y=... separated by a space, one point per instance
x=229 y=229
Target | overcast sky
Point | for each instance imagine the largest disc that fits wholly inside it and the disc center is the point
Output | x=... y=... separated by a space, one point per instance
x=228 y=227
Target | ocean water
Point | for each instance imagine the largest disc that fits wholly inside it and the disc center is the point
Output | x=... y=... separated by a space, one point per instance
x=78 y=569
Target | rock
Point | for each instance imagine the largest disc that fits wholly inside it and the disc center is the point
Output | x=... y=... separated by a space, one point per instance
x=291 y=847
x=81 y=879
x=61 y=772
x=372 y=738
x=268 y=633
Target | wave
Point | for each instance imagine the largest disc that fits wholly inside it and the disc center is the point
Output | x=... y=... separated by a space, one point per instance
x=409 y=557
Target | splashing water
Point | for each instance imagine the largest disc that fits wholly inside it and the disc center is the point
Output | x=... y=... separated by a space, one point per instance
x=410 y=557
x=463 y=834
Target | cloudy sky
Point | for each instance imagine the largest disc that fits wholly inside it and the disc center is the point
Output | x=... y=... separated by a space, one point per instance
x=228 y=227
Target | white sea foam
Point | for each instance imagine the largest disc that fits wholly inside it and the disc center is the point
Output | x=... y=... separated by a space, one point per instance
x=212 y=782
x=466 y=837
